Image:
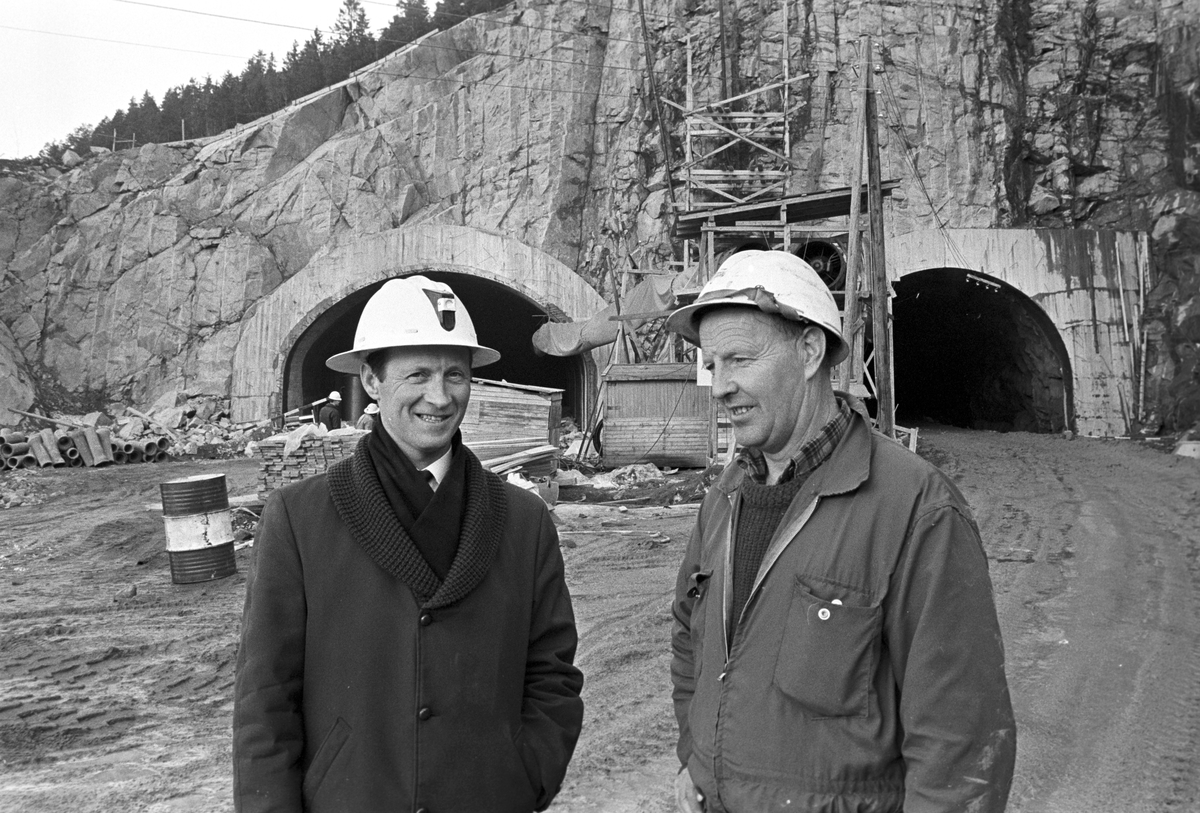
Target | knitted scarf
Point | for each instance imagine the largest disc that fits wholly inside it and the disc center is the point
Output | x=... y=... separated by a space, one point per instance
x=360 y=501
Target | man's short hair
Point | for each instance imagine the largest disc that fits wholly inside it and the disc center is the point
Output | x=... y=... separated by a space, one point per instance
x=795 y=330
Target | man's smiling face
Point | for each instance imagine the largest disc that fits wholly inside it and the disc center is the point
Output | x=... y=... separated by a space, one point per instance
x=423 y=394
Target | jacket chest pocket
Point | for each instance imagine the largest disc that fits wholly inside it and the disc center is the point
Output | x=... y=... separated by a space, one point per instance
x=828 y=654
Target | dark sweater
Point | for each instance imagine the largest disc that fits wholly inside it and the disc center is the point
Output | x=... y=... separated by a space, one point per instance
x=762 y=507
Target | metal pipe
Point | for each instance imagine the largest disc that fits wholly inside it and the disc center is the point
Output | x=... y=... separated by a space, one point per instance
x=51 y=443
x=38 y=449
x=134 y=455
x=118 y=456
x=95 y=447
x=64 y=440
x=105 y=435
x=71 y=454
x=27 y=461
x=12 y=436
x=85 y=452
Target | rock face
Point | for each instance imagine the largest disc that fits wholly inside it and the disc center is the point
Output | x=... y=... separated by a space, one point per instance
x=132 y=273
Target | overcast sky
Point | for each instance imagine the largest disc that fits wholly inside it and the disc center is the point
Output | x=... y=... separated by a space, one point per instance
x=52 y=83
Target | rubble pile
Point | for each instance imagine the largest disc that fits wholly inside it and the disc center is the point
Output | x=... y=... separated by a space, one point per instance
x=176 y=426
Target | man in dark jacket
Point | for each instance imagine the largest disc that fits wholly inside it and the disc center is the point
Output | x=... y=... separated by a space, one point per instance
x=836 y=646
x=408 y=639
x=330 y=415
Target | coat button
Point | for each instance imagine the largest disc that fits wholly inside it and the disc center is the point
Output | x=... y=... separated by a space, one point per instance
x=425 y=620
x=823 y=613
x=424 y=714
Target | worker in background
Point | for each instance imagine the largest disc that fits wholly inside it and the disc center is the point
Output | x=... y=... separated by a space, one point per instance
x=835 y=644
x=366 y=421
x=330 y=415
x=408 y=641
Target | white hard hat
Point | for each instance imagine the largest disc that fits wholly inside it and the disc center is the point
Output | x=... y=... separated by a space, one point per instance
x=335 y=396
x=371 y=409
x=774 y=282
x=412 y=312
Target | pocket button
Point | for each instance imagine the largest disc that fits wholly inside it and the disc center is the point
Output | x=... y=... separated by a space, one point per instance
x=823 y=613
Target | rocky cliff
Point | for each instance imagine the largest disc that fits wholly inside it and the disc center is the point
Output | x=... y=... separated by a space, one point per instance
x=131 y=274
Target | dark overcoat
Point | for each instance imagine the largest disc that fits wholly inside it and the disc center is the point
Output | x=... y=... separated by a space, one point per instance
x=356 y=693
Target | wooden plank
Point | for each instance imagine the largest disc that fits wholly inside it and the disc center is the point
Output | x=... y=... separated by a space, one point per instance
x=682 y=371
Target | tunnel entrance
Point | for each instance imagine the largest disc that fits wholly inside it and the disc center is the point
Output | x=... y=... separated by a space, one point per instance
x=504 y=319
x=975 y=352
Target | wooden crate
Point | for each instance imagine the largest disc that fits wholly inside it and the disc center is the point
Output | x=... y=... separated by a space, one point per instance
x=504 y=418
x=656 y=413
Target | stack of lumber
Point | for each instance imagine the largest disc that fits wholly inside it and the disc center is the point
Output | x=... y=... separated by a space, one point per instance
x=530 y=461
x=313 y=456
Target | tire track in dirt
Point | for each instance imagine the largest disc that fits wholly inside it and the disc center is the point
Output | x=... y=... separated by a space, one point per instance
x=1100 y=620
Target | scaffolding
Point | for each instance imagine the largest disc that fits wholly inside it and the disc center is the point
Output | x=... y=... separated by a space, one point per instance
x=735 y=177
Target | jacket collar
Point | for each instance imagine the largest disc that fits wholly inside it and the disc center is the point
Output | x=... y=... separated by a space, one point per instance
x=845 y=470
x=361 y=503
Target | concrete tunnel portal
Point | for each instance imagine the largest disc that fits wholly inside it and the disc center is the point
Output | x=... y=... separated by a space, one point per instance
x=973 y=351
x=504 y=319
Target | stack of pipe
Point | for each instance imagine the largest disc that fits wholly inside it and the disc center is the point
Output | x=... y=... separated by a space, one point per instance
x=15 y=452
x=74 y=446
x=152 y=450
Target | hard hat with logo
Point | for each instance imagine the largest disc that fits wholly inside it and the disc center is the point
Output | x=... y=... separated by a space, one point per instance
x=372 y=409
x=335 y=396
x=774 y=282
x=412 y=312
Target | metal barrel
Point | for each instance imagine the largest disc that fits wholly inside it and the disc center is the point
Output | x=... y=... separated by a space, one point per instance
x=199 y=528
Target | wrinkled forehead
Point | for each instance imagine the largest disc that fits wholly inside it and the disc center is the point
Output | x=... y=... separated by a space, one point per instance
x=738 y=324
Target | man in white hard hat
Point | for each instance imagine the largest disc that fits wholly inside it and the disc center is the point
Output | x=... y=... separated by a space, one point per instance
x=366 y=421
x=408 y=641
x=330 y=415
x=836 y=645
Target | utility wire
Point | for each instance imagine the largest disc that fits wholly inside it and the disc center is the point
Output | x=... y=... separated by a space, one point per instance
x=118 y=42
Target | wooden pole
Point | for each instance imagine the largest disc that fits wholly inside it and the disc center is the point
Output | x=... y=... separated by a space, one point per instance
x=881 y=303
x=852 y=370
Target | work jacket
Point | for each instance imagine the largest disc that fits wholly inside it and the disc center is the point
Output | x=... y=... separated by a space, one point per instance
x=354 y=695
x=866 y=671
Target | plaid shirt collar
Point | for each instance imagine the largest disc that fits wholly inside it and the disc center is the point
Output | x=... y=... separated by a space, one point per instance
x=812 y=454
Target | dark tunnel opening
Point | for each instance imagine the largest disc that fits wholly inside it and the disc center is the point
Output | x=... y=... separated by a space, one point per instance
x=504 y=319
x=972 y=351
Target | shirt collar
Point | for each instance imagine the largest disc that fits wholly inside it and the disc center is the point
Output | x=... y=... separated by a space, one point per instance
x=811 y=455
x=440 y=468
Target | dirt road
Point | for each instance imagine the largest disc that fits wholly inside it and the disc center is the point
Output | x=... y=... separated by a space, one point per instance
x=115 y=684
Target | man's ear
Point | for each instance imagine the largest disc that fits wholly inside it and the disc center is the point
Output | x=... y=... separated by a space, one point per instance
x=813 y=347
x=369 y=380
